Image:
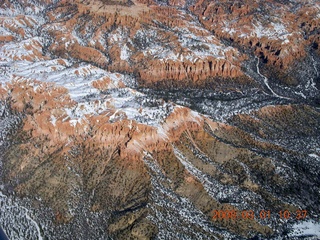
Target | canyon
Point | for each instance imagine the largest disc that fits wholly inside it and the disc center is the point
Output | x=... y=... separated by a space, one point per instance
x=138 y=119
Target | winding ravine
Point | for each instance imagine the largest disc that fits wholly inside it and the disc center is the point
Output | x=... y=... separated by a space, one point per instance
x=266 y=82
x=34 y=222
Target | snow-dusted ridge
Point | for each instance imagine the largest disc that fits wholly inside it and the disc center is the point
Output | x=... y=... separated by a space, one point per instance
x=104 y=126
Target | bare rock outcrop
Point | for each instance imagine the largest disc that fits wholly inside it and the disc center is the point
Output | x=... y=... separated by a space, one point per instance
x=89 y=146
x=279 y=43
x=119 y=41
x=198 y=71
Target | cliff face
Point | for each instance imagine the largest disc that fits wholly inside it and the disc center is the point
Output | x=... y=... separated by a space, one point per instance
x=94 y=142
x=159 y=43
x=278 y=32
x=120 y=41
x=61 y=148
x=198 y=71
x=188 y=51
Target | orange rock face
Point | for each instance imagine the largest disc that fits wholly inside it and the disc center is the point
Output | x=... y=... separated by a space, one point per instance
x=133 y=38
x=280 y=42
x=105 y=48
x=88 y=143
x=46 y=104
x=108 y=156
x=198 y=71
x=6 y=38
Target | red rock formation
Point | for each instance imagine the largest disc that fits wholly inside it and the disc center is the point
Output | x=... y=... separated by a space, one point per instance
x=198 y=71
x=177 y=3
x=238 y=22
x=7 y=38
x=18 y=24
x=150 y=68
x=102 y=84
x=43 y=101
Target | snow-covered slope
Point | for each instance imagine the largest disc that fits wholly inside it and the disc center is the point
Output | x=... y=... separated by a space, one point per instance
x=141 y=119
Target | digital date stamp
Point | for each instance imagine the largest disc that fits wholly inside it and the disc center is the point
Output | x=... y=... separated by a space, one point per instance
x=262 y=214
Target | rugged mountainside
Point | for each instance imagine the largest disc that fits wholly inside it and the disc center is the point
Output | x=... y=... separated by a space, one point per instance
x=138 y=119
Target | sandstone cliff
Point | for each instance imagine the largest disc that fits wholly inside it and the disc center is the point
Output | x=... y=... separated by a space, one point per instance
x=110 y=158
x=280 y=38
x=92 y=153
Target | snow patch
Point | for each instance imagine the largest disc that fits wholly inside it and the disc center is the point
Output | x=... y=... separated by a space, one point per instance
x=306 y=228
x=23 y=49
x=53 y=120
x=314 y=156
x=125 y=53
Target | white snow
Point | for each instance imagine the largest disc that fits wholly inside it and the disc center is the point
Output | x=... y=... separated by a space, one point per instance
x=17 y=221
x=266 y=81
x=18 y=50
x=259 y=30
x=4 y=32
x=306 y=228
x=200 y=47
x=53 y=120
x=229 y=30
x=314 y=63
x=301 y=94
x=125 y=53
x=196 y=116
x=78 y=80
x=162 y=132
x=275 y=31
x=315 y=156
x=34 y=222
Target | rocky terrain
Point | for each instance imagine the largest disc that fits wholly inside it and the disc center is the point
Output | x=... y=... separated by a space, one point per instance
x=141 y=119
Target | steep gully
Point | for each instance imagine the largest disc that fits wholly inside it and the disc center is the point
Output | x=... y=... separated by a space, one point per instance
x=265 y=80
x=229 y=102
